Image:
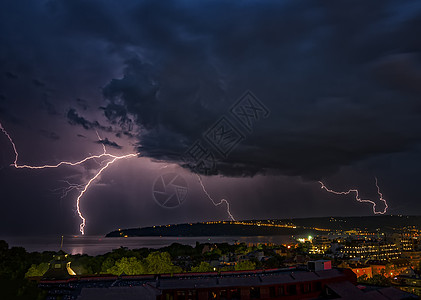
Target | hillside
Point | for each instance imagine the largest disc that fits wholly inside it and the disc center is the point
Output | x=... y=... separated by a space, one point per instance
x=306 y=226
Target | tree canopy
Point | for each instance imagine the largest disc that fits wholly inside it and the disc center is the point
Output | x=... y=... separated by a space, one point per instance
x=202 y=267
x=245 y=265
x=127 y=266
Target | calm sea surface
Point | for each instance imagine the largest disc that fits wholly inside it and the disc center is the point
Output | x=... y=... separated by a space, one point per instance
x=94 y=245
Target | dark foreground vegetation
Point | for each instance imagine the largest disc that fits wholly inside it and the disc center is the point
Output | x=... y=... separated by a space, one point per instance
x=14 y=263
x=18 y=268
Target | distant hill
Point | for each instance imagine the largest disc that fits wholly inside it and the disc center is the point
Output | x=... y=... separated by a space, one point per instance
x=371 y=223
x=200 y=229
x=306 y=226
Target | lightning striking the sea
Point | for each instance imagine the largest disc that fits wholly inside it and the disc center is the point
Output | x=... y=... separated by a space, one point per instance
x=357 y=197
x=83 y=188
x=213 y=201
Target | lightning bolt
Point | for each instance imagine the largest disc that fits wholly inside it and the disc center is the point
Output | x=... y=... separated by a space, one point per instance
x=83 y=188
x=116 y=158
x=357 y=197
x=70 y=187
x=213 y=201
x=100 y=139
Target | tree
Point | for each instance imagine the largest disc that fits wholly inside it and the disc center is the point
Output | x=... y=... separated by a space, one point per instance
x=37 y=270
x=241 y=248
x=3 y=247
x=81 y=264
x=128 y=266
x=245 y=265
x=159 y=263
x=95 y=264
x=275 y=261
x=108 y=263
x=378 y=280
x=214 y=254
x=202 y=267
x=176 y=249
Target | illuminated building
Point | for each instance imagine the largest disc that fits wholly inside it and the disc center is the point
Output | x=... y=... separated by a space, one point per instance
x=370 y=250
x=409 y=282
x=378 y=268
x=320 y=245
x=358 y=268
x=414 y=257
x=362 y=270
x=404 y=241
x=372 y=268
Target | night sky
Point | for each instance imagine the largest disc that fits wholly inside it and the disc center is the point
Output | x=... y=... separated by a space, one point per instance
x=341 y=81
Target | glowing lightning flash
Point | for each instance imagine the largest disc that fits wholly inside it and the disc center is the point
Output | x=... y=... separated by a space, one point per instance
x=83 y=188
x=70 y=187
x=83 y=224
x=17 y=166
x=213 y=201
x=357 y=197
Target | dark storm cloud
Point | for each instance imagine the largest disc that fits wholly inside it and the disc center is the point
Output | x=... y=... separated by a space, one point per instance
x=117 y=114
x=340 y=78
x=323 y=69
x=124 y=133
x=401 y=72
x=82 y=103
x=74 y=119
x=107 y=142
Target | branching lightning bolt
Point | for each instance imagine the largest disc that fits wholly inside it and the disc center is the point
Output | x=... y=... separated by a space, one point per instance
x=213 y=201
x=357 y=197
x=83 y=224
x=100 y=139
x=17 y=166
x=70 y=187
x=83 y=188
